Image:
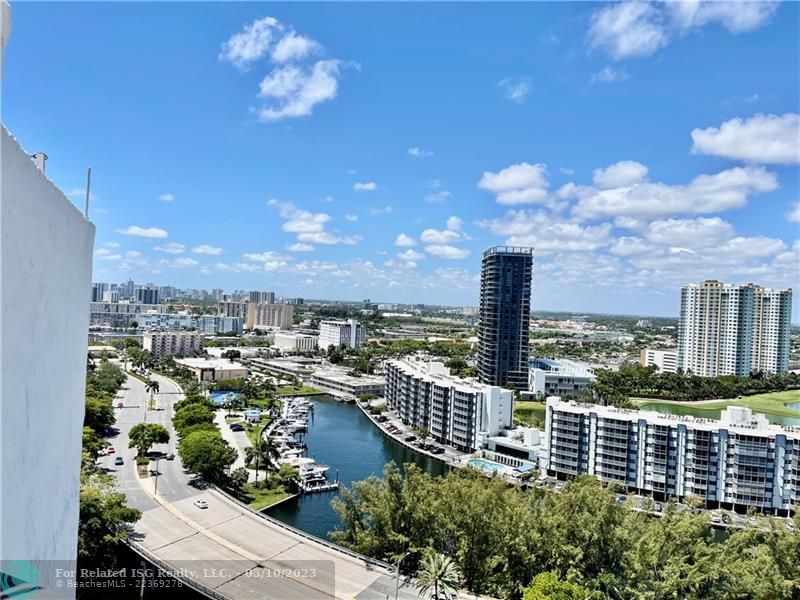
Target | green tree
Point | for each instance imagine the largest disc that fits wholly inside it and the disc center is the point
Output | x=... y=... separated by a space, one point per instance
x=206 y=454
x=547 y=586
x=263 y=454
x=152 y=387
x=92 y=444
x=239 y=477
x=438 y=577
x=98 y=414
x=142 y=436
x=192 y=414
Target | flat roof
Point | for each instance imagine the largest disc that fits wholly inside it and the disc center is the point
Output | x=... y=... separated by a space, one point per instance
x=222 y=364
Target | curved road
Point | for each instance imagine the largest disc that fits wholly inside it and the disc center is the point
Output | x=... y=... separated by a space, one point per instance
x=227 y=547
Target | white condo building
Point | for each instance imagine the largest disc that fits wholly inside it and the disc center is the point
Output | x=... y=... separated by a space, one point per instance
x=739 y=461
x=456 y=412
x=172 y=343
x=349 y=333
x=664 y=359
x=727 y=329
x=269 y=316
x=295 y=342
x=233 y=309
x=560 y=377
x=219 y=324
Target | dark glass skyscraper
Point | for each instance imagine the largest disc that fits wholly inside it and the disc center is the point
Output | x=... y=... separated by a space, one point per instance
x=505 y=316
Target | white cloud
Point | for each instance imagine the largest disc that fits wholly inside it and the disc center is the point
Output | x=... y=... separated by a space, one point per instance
x=171 y=248
x=625 y=29
x=704 y=194
x=567 y=170
x=793 y=216
x=629 y=246
x=446 y=251
x=300 y=247
x=252 y=43
x=111 y=244
x=327 y=238
x=521 y=183
x=207 y=249
x=299 y=220
x=516 y=88
x=762 y=139
x=410 y=255
x=351 y=218
x=438 y=197
x=296 y=90
x=147 y=232
x=692 y=233
x=434 y=236
x=293 y=46
x=455 y=223
x=609 y=74
x=419 y=152
x=625 y=172
x=404 y=240
x=376 y=212
x=365 y=186
x=184 y=262
x=631 y=29
x=167 y=197
x=106 y=254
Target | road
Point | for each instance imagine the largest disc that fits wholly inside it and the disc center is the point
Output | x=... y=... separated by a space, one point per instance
x=226 y=547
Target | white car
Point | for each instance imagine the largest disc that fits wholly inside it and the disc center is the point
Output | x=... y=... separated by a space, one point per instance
x=201 y=504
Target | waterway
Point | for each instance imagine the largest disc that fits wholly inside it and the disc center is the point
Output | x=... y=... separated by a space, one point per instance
x=342 y=437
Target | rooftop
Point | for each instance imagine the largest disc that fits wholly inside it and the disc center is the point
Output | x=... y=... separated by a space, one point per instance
x=210 y=363
x=437 y=373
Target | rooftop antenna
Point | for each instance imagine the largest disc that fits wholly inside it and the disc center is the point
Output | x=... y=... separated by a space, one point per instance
x=88 y=185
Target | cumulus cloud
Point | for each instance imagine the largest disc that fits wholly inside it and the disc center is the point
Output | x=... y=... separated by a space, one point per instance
x=438 y=197
x=517 y=89
x=106 y=254
x=299 y=247
x=380 y=210
x=299 y=220
x=722 y=191
x=365 y=186
x=625 y=172
x=327 y=238
x=167 y=197
x=419 y=152
x=146 y=232
x=251 y=44
x=521 y=183
x=763 y=139
x=447 y=251
x=793 y=216
x=171 y=248
x=609 y=74
x=410 y=255
x=404 y=240
x=351 y=218
x=455 y=223
x=207 y=249
x=636 y=29
x=294 y=46
x=434 y=236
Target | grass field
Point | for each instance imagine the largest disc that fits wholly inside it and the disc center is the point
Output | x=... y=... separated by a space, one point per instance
x=263 y=498
x=774 y=403
x=529 y=412
x=303 y=390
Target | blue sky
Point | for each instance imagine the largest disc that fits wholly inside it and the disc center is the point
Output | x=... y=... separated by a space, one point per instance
x=364 y=150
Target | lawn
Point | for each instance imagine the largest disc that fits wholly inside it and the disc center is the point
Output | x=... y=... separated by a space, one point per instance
x=303 y=390
x=773 y=403
x=261 y=498
x=529 y=412
x=254 y=431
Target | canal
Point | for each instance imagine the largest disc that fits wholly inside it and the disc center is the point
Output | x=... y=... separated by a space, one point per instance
x=342 y=437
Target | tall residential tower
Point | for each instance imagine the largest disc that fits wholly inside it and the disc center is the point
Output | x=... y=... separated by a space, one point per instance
x=728 y=329
x=505 y=314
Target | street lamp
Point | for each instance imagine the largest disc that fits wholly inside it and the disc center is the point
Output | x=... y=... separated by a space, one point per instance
x=397 y=573
x=155 y=491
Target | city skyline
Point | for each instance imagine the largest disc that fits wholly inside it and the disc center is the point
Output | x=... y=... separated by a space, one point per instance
x=380 y=161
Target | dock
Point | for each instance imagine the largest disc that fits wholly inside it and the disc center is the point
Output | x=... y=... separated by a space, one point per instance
x=319 y=487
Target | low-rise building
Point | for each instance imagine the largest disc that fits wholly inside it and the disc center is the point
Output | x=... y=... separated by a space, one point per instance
x=740 y=461
x=349 y=333
x=295 y=342
x=665 y=359
x=120 y=314
x=172 y=343
x=562 y=377
x=455 y=411
x=214 y=369
x=286 y=367
x=338 y=382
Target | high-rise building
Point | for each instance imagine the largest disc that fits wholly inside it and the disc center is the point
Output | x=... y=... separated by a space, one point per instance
x=739 y=461
x=111 y=296
x=505 y=315
x=127 y=289
x=349 y=333
x=172 y=343
x=233 y=309
x=727 y=329
x=261 y=297
x=147 y=294
x=269 y=316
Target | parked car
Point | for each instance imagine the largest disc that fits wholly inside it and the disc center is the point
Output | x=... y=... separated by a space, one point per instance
x=437 y=450
x=111 y=450
x=410 y=438
x=170 y=456
x=658 y=507
x=118 y=461
x=200 y=503
x=716 y=518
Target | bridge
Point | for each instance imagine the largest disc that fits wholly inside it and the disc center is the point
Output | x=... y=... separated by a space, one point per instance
x=227 y=551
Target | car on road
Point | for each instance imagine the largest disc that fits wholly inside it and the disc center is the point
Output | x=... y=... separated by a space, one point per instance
x=170 y=456
x=200 y=503
x=110 y=450
x=437 y=450
x=118 y=461
x=410 y=438
x=120 y=405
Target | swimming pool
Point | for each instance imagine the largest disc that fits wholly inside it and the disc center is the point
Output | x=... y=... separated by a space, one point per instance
x=219 y=397
x=485 y=465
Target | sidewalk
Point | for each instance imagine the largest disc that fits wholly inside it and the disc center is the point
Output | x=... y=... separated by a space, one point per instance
x=239 y=441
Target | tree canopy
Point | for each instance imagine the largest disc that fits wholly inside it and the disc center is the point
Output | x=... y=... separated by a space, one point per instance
x=206 y=454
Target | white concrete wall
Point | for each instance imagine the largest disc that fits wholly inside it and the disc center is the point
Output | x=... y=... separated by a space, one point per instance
x=46 y=256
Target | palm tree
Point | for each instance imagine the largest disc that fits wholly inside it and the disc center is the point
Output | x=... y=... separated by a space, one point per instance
x=438 y=577
x=262 y=453
x=152 y=387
